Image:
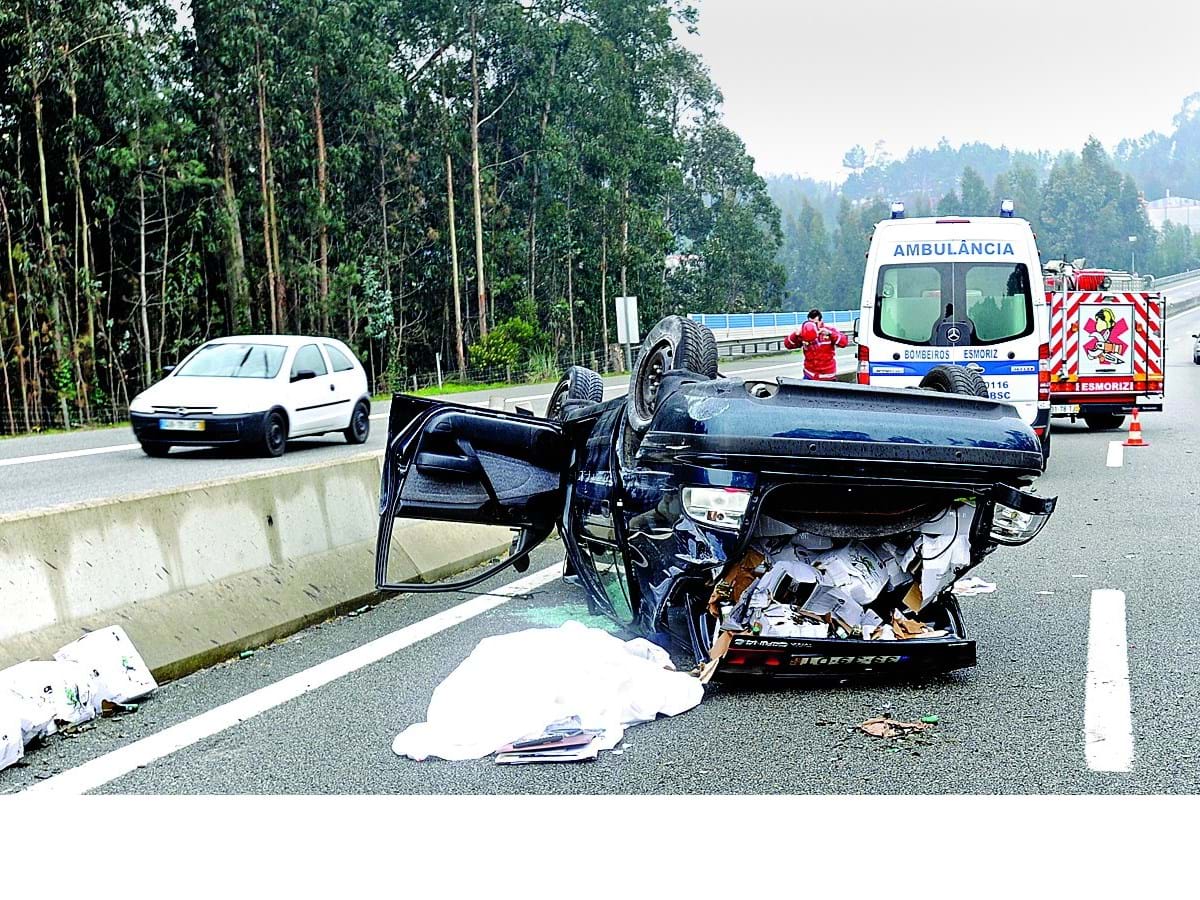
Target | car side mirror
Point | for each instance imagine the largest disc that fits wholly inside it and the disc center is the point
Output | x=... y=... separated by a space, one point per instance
x=303 y=375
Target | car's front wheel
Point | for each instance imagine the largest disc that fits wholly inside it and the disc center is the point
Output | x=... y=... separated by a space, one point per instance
x=156 y=449
x=579 y=385
x=360 y=424
x=275 y=433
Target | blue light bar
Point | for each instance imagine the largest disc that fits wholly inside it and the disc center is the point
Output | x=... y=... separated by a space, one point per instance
x=897 y=210
x=1006 y=208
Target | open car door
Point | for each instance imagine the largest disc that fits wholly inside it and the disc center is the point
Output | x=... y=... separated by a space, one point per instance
x=461 y=464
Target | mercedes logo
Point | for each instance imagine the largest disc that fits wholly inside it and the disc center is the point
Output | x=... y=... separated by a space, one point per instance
x=953 y=335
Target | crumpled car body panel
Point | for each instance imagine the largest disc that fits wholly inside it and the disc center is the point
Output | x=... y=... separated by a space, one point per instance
x=846 y=457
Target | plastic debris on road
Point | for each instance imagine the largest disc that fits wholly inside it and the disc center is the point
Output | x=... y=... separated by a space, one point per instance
x=50 y=696
x=100 y=672
x=514 y=687
x=888 y=728
x=969 y=587
x=119 y=668
x=12 y=744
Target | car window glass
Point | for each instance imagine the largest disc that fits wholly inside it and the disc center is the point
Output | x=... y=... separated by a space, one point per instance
x=233 y=361
x=337 y=359
x=309 y=357
x=997 y=301
x=908 y=302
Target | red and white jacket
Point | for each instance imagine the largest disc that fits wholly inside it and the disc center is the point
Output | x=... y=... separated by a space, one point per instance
x=820 y=356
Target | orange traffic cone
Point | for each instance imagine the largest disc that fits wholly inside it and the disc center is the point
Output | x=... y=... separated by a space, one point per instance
x=1135 y=433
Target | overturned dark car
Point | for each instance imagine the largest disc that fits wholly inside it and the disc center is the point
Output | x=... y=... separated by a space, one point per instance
x=770 y=527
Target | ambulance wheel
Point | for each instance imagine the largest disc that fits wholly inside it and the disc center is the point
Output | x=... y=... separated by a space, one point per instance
x=1104 y=421
x=674 y=343
x=579 y=385
x=955 y=380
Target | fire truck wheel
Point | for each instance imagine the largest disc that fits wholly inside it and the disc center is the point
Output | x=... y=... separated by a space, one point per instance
x=1104 y=421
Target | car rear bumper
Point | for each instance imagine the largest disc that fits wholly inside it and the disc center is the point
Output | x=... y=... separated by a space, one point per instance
x=796 y=657
x=218 y=429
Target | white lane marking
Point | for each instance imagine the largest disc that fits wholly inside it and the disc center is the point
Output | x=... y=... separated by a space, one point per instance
x=1116 y=454
x=65 y=454
x=1107 y=724
x=110 y=766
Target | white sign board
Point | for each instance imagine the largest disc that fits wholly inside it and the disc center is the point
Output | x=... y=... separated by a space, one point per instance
x=627 y=321
x=1105 y=339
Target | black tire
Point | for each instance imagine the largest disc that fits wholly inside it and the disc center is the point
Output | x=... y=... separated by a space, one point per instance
x=955 y=380
x=674 y=343
x=1103 y=421
x=275 y=434
x=157 y=449
x=359 y=428
x=579 y=384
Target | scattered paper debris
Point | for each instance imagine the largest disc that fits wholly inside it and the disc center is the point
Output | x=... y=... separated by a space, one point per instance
x=887 y=728
x=969 y=587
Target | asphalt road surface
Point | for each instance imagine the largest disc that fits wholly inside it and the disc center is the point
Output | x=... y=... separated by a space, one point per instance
x=1013 y=724
x=45 y=471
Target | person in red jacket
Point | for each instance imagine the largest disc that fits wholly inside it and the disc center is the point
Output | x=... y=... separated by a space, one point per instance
x=819 y=342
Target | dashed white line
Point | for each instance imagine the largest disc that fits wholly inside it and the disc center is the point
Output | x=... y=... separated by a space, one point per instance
x=1116 y=455
x=110 y=766
x=1107 y=721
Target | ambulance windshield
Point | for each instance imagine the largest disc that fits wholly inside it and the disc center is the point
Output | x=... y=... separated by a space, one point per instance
x=953 y=304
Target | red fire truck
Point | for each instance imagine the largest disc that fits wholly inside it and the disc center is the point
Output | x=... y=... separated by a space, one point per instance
x=1107 y=345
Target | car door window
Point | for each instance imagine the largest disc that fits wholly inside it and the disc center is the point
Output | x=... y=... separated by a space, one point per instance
x=309 y=357
x=337 y=359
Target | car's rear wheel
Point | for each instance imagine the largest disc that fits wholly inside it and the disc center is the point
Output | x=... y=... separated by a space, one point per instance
x=1104 y=421
x=156 y=449
x=579 y=384
x=955 y=380
x=674 y=343
x=275 y=432
x=360 y=424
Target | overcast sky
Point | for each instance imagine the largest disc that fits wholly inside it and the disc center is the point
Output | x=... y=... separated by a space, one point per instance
x=805 y=80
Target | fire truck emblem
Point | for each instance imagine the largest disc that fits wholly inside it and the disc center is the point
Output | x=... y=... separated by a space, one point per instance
x=1106 y=344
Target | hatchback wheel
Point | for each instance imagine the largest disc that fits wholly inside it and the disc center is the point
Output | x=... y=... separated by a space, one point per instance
x=579 y=385
x=360 y=424
x=274 y=439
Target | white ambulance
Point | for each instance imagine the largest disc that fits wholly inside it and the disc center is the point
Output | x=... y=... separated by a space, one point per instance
x=958 y=291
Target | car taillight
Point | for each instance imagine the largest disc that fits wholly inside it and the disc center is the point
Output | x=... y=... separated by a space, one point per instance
x=864 y=364
x=1044 y=376
x=720 y=507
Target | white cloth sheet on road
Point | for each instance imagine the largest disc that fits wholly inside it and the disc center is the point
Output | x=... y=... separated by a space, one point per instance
x=513 y=686
x=114 y=661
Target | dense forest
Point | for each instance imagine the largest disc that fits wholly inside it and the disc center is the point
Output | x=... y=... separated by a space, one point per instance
x=475 y=179
x=456 y=184
x=1082 y=204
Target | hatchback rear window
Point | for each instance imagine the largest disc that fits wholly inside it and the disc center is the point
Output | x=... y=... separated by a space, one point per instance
x=992 y=301
x=234 y=361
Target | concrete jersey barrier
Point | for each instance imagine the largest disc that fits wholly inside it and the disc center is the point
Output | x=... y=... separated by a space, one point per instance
x=195 y=575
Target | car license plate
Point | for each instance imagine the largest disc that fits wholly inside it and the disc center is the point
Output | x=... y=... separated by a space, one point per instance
x=1064 y=408
x=181 y=424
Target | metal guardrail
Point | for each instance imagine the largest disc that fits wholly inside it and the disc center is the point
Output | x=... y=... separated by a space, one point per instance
x=765 y=326
x=1179 y=276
